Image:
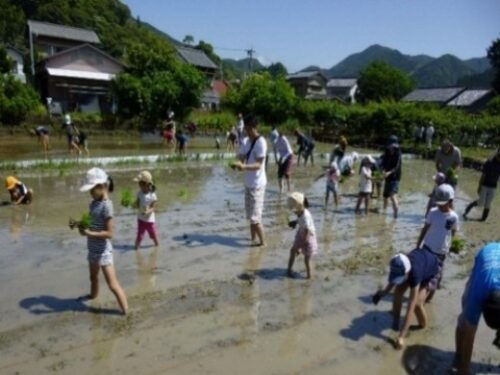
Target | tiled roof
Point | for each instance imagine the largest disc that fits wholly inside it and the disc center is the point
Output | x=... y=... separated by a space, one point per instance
x=436 y=95
x=342 y=82
x=79 y=47
x=195 y=57
x=63 y=32
x=468 y=97
x=301 y=75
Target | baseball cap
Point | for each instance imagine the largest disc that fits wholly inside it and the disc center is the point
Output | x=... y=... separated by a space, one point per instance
x=444 y=194
x=393 y=141
x=399 y=266
x=440 y=177
x=11 y=182
x=295 y=199
x=94 y=177
x=144 y=176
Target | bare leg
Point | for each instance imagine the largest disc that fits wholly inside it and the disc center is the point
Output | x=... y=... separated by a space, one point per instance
x=395 y=205
x=291 y=261
x=396 y=305
x=307 y=262
x=114 y=286
x=259 y=231
x=94 y=279
x=288 y=183
x=252 y=232
x=358 y=204
x=367 y=203
x=327 y=197
x=420 y=310
x=336 y=199
x=280 y=183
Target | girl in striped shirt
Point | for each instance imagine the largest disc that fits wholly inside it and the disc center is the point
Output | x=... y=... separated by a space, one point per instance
x=100 y=249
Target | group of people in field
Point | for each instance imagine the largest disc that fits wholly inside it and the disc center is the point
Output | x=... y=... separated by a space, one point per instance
x=419 y=271
x=175 y=138
x=77 y=139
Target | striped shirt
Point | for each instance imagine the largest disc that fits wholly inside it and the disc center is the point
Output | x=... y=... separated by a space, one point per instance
x=100 y=212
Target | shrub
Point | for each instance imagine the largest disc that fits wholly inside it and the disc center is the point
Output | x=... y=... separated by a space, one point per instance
x=16 y=100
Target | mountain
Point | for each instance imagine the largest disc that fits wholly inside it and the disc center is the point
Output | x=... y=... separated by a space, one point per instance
x=443 y=71
x=479 y=64
x=353 y=64
x=428 y=71
x=161 y=33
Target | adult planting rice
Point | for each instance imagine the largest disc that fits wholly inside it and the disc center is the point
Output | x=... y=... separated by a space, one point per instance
x=252 y=161
x=391 y=162
x=42 y=133
x=285 y=160
x=448 y=161
x=487 y=186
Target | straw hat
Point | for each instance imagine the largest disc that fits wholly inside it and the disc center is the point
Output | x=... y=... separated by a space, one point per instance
x=295 y=200
x=144 y=176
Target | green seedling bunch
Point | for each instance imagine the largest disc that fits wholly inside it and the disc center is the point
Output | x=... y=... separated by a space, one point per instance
x=378 y=176
x=452 y=176
x=457 y=245
x=84 y=223
x=127 y=199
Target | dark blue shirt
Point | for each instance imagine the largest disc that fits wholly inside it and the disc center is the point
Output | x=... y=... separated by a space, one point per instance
x=424 y=266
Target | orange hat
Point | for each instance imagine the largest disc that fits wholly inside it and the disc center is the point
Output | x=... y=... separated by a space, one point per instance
x=11 y=182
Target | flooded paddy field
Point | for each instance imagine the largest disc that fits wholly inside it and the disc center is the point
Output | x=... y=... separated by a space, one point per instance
x=205 y=302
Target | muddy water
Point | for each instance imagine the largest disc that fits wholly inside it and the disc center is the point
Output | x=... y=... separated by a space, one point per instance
x=205 y=302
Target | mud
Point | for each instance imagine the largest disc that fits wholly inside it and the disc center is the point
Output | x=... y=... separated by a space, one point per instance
x=206 y=302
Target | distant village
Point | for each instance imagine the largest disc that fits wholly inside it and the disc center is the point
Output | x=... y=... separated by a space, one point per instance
x=72 y=73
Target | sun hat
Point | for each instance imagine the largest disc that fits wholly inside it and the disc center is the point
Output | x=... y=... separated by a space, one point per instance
x=439 y=177
x=144 y=176
x=11 y=182
x=295 y=199
x=400 y=265
x=94 y=177
x=444 y=194
x=370 y=159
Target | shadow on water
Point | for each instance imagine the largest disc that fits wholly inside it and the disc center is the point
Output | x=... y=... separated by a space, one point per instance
x=201 y=240
x=368 y=299
x=269 y=274
x=373 y=323
x=50 y=304
x=427 y=360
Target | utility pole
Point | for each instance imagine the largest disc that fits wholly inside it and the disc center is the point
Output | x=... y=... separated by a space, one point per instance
x=250 y=53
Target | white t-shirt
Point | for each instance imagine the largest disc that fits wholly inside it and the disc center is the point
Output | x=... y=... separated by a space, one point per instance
x=283 y=147
x=240 y=125
x=365 y=184
x=429 y=132
x=145 y=201
x=274 y=137
x=306 y=222
x=255 y=179
x=438 y=237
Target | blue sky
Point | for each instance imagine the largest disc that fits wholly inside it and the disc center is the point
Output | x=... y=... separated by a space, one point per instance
x=323 y=32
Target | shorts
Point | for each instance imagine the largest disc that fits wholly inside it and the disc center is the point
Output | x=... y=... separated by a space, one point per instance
x=254 y=204
x=332 y=188
x=146 y=226
x=103 y=259
x=390 y=188
x=364 y=194
x=285 y=167
x=307 y=246
x=435 y=282
x=72 y=139
x=168 y=135
x=486 y=196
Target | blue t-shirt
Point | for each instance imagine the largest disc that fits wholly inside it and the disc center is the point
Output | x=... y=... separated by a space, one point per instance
x=484 y=279
x=424 y=266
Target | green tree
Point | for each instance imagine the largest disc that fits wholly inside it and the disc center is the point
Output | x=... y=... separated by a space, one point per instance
x=12 y=22
x=277 y=70
x=494 y=57
x=273 y=100
x=188 y=39
x=16 y=100
x=379 y=81
x=5 y=62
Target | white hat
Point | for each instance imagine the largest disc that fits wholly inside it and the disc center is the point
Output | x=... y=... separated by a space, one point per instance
x=355 y=156
x=370 y=159
x=444 y=194
x=295 y=199
x=94 y=177
x=400 y=265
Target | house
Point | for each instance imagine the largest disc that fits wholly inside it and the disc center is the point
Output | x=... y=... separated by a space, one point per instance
x=17 y=63
x=472 y=100
x=198 y=59
x=344 y=89
x=308 y=85
x=47 y=39
x=78 y=79
x=440 y=96
x=210 y=99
